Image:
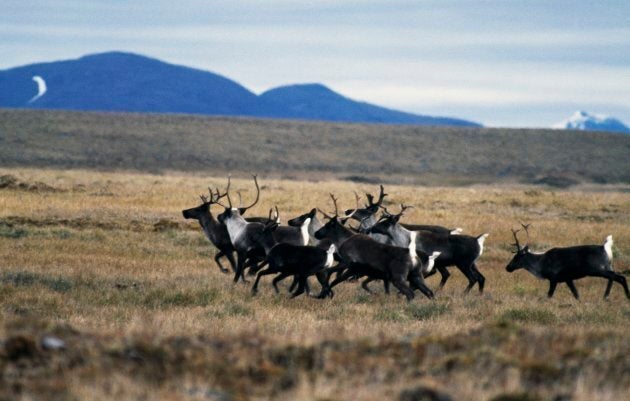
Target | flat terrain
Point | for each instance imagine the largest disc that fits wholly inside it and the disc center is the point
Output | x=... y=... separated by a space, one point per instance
x=105 y=262
x=310 y=150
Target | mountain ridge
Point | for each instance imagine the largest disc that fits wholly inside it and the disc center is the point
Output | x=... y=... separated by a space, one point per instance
x=129 y=82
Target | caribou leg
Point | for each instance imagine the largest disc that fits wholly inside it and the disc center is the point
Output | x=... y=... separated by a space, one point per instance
x=261 y=273
x=481 y=280
x=552 y=288
x=240 y=266
x=612 y=276
x=218 y=256
x=277 y=279
x=402 y=287
x=574 y=290
x=467 y=271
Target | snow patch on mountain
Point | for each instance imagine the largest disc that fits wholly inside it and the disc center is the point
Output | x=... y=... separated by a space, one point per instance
x=584 y=121
x=41 y=88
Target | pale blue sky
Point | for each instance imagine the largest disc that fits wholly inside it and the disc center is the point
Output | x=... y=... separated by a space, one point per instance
x=502 y=63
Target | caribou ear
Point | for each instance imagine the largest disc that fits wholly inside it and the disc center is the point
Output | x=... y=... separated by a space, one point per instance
x=397 y=218
x=526 y=248
x=312 y=213
x=242 y=210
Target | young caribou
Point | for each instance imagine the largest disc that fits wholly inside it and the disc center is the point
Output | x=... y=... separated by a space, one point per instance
x=294 y=260
x=564 y=265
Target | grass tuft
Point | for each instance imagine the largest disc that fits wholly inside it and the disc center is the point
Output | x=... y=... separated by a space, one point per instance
x=427 y=311
x=8 y=231
x=528 y=315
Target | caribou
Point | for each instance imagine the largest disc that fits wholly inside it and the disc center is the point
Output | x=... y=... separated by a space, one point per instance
x=214 y=230
x=457 y=250
x=381 y=249
x=242 y=233
x=300 y=261
x=564 y=265
x=397 y=264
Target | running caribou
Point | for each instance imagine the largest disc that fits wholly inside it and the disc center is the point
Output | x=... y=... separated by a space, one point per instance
x=299 y=261
x=564 y=265
x=216 y=231
x=457 y=250
x=399 y=265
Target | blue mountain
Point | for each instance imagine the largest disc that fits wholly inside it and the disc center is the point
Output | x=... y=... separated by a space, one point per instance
x=125 y=82
x=118 y=81
x=317 y=102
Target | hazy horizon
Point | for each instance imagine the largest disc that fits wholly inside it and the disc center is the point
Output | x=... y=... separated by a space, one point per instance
x=500 y=63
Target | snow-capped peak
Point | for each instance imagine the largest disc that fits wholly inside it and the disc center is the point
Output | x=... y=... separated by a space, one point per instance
x=581 y=120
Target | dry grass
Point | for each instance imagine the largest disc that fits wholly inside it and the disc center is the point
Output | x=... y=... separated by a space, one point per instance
x=110 y=255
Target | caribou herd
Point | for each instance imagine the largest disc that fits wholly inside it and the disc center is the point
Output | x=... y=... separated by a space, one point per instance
x=379 y=247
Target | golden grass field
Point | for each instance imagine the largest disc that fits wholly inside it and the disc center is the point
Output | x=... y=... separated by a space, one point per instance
x=106 y=262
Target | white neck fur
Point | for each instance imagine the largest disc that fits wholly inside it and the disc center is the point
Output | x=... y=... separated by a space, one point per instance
x=412 y=247
x=329 y=256
x=304 y=231
x=431 y=261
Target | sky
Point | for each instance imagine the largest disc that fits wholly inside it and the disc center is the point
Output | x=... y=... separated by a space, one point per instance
x=502 y=63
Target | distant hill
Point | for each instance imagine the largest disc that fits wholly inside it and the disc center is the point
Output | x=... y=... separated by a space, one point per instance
x=317 y=102
x=310 y=150
x=118 y=81
x=125 y=82
x=584 y=121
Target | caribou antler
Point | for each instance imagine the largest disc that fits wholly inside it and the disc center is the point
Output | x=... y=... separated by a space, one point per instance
x=516 y=243
x=403 y=208
x=214 y=197
x=257 y=192
x=277 y=214
x=329 y=217
x=356 y=198
x=386 y=213
x=325 y=214
x=227 y=191
x=525 y=227
x=334 y=204
x=381 y=196
x=370 y=199
x=269 y=218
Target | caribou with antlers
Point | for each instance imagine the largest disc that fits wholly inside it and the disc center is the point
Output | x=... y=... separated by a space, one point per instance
x=216 y=231
x=461 y=251
x=367 y=218
x=564 y=265
x=397 y=264
x=242 y=233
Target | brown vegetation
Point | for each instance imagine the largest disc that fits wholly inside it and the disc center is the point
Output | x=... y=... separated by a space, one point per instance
x=106 y=263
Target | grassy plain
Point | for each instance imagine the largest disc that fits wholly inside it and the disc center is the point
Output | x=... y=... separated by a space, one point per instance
x=106 y=262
